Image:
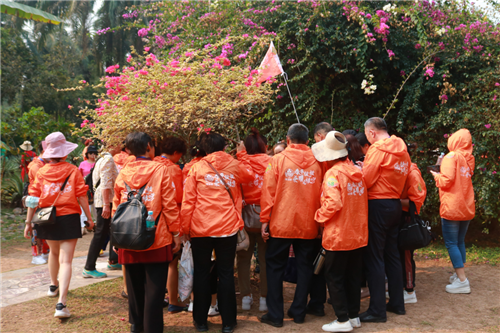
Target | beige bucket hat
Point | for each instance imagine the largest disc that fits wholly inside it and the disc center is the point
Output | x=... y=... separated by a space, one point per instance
x=331 y=148
x=26 y=145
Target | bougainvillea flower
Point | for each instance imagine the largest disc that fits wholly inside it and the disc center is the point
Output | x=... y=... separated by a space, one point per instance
x=487 y=126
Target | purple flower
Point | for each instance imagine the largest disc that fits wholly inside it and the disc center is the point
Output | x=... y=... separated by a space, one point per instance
x=142 y=33
x=444 y=97
x=390 y=53
x=402 y=73
x=487 y=126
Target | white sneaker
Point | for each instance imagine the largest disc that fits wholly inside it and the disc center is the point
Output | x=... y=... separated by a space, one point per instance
x=246 y=302
x=458 y=287
x=38 y=260
x=387 y=295
x=45 y=256
x=53 y=291
x=453 y=277
x=263 y=304
x=190 y=307
x=410 y=298
x=61 y=311
x=335 y=326
x=355 y=322
x=213 y=311
x=84 y=231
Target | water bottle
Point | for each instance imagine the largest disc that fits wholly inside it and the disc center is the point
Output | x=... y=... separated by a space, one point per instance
x=320 y=260
x=440 y=159
x=150 y=221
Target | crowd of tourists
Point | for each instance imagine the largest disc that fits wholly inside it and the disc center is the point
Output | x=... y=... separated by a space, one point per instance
x=341 y=201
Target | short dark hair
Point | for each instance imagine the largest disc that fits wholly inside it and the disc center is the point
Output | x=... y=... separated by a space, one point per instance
x=40 y=147
x=323 y=127
x=137 y=143
x=350 y=131
x=298 y=133
x=363 y=141
x=255 y=143
x=378 y=123
x=196 y=151
x=212 y=142
x=173 y=144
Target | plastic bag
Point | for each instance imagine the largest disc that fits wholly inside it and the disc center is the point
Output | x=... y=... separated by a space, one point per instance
x=186 y=272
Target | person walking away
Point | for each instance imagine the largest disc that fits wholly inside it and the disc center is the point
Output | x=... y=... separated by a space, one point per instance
x=103 y=178
x=211 y=217
x=63 y=235
x=39 y=248
x=457 y=209
x=172 y=149
x=85 y=167
x=344 y=214
x=254 y=154
x=26 y=157
x=146 y=271
x=290 y=198
x=385 y=170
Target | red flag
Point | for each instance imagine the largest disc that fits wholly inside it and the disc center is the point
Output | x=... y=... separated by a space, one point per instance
x=270 y=66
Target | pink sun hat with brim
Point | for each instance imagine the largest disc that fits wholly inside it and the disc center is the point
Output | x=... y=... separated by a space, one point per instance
x=57 y=146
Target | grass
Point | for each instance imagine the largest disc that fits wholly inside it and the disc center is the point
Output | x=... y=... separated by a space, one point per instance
x=11 y=227
x=475 y=254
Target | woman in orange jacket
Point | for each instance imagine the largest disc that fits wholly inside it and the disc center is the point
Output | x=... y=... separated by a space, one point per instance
x=197 y=154
x=457 y=204
x=146 y=271
x=254 y=155
x=64 y=233
x=211 y=216
x=344 y=214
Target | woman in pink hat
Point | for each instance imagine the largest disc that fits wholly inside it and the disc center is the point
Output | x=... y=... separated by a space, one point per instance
x=64 y=233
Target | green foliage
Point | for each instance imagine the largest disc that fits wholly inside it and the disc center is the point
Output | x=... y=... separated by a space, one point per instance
x=475 y=254
x=12 y=190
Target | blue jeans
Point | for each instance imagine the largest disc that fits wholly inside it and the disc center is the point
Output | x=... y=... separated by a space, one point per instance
x=454 y=239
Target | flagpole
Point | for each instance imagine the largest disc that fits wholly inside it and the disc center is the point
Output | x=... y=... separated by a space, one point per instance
x=284 y=75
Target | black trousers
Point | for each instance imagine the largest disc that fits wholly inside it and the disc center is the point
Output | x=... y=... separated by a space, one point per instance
x=276 y=259
x=408 y=269
x=146 y=291
x=381 y=256
x=225 y=251
x=101 y=234
x=343 y=273
x=317 y=287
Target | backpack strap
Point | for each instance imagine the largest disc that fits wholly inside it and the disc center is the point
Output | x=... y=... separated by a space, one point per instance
x=137 y=194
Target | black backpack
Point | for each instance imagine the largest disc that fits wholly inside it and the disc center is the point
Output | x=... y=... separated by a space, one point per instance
x=90 y=182
x=128 y=226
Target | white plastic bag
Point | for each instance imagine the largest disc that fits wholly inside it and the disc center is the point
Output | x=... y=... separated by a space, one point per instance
x=186 y=272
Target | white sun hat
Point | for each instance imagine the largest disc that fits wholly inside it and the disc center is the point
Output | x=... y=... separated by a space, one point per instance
x=26 y=145
x=333 y=147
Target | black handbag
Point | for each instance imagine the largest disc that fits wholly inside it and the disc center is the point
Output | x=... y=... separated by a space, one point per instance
x=416 y=234
x=47 y=215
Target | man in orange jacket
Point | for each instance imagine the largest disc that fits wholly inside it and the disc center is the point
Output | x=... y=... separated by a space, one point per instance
x=291 y=192
x=385 y=170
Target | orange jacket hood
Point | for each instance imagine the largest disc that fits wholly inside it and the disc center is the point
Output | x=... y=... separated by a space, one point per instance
x=461 y=142
x=415 y=188
x=392 y=145
x=175 y=173
x=297 y=153
x=219 y=159
x=252 y=190
x=350 y=171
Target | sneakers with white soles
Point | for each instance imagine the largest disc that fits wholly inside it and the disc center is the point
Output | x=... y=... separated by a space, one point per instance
x=190 y=307
x=246 y=302
x=453 y=277
x=459 y=287
x=335 y=326
x=410 y=298
x=387 y=295
x=263 y=304
x=213 y=311
x=38 y=260
x=53 y=291
x=61 y=311
x=355 y=322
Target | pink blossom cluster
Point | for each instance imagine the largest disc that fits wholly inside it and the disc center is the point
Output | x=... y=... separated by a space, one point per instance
x=112 y=68
x=130 y=15
x=103 y=31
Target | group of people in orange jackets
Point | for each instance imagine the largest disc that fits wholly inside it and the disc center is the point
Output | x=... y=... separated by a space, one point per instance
x=311 y=199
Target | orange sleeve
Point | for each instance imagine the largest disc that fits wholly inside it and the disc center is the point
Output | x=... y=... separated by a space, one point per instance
x=117 y=196
x=35 y=189
x=169 y=206
x=448 y=170
x=371 y=166
x=188 y=201
x=416 y=189
x=332 y=200
x=268 y=191
x=178 y=180
x=80 y=187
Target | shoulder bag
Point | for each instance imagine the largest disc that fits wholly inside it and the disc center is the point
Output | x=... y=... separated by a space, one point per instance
x=416 y=234
x=47 y=215
x=251 y=215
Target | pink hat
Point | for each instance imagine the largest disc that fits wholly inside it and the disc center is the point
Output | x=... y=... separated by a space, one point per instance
x=57 y=146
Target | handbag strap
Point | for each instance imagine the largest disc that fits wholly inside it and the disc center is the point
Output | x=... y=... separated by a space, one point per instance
x=62 y=188
x=222 y=180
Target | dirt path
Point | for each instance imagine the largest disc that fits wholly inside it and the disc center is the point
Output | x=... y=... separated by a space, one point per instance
x=100 y=308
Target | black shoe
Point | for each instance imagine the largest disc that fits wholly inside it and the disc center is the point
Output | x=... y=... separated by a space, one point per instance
x=124 y=294
x=296 y=320
x=136 y=328
x=266 y=319
x=365 y=317
x=329 y=300
x=228 y=328
x=315 y=312
x=200 y=328
x=394 y=310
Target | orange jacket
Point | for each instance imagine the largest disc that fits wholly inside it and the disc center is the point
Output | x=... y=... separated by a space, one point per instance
x=344 y=208
x=253 y=189
x=385 y=169
x=33 y=168
x=158 y=197
x=47 y=185
x=291 y=192
x=454 y=182
x=415 y=189
x=175 y=173
x=187 y=166
x=207 y=209
x=122 y=159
